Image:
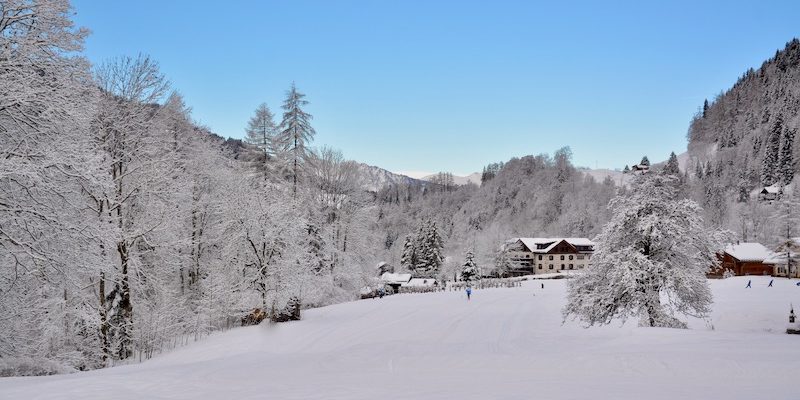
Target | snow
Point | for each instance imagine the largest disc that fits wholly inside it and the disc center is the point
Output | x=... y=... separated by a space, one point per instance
x=389 y=277
x=420 y=282
x=460 y=180
x=749 y=252
x=504 y=343
x=531 y=243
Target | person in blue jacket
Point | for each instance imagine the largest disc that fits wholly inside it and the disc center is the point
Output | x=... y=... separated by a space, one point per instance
x=469 y=292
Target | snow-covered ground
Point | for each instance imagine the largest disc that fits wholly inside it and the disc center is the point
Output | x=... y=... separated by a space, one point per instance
x=505 y=343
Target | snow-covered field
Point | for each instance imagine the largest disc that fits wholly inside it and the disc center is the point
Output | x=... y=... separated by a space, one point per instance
x=505 y=343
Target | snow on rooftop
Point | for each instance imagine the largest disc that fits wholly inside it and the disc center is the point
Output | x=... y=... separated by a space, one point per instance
x=532 y=243
x=420 y=282
x=389 y=277
x=749 y=252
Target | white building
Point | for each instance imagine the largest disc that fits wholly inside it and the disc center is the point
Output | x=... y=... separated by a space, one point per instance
x=549 y=255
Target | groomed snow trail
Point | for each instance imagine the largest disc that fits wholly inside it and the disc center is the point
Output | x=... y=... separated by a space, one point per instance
x=505 y=343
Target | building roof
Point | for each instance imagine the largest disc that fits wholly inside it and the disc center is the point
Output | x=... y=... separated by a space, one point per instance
x=389 y=277
x=753 y=252
x=420 y=282
x=533 y=244
x=773 y=189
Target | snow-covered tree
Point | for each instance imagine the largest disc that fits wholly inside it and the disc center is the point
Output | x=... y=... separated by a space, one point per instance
x=671 y=167
x=469 y=270
x=502 y=263
x=261 y=132
x=770 y=162
x=650 y=262
x=787 y=219
x=294 y=134
x=786 y=159
x=408 y=259
x=645 y=161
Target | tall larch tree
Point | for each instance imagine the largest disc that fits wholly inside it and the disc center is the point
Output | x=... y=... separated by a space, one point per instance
x=295 y=133
x=261 y=132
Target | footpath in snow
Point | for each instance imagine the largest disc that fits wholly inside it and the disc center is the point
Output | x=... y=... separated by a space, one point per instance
x=504 y=343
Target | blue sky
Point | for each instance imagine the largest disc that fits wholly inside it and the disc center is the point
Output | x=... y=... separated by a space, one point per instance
x=451 y=86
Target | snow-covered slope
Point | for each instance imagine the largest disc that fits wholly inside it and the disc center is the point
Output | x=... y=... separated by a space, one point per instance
x=474 y=177
x=504 y=343
x=374 y=178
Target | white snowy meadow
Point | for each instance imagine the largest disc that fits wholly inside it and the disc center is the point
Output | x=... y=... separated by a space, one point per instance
x=504 y=343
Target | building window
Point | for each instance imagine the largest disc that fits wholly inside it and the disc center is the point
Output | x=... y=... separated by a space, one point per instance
x=550 y=267
x=570 y=257
x=527 y=256
x=540 y=257
x=571 y=266
x=551 y=258
x=580 y=257
x=540 y=266
x=562 y=267
x=562 y=257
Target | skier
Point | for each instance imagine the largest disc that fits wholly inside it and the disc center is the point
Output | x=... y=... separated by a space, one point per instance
x=748 y=284
x=770 y=283
x=381 y=292
x=469 y=292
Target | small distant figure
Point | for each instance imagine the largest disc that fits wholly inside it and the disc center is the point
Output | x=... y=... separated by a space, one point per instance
x=469 y=292
x=770 y=283
x=798 y=283
x=749 y=283
x=381 y=292
x=542 y=285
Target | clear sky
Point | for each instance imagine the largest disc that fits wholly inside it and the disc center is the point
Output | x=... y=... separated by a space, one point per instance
x=451 y=86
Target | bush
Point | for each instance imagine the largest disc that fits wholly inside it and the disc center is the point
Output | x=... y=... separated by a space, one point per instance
x=31 y=367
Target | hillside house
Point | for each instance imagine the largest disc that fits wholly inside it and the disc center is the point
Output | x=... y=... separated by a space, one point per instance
x=548 y=255
x=770 y=193
x=640 y=168
x=744 y=259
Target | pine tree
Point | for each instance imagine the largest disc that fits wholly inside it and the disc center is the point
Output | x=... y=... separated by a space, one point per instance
x=786 y=172
x=260 y=132
x=650 y=262
x=469 y=270
x=769 y=165
x=672 y=167
x=645 y=161
x=295 y=133
x=626 y=169
x=705 y=107
x=408 y=260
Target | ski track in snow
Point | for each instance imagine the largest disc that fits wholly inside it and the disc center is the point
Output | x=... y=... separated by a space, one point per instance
x=504 y=343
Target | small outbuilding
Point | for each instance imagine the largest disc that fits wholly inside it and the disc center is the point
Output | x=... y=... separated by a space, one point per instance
x=394 y=281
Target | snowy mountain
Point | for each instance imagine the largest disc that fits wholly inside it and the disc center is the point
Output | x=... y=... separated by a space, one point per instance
x=374 y=178
x=474 y=177
x=504 y=343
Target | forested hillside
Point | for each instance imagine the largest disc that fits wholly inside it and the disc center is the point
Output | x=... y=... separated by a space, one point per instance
x=752 y=126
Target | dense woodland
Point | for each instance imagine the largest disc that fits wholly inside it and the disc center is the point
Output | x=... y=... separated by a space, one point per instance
x=126 y=228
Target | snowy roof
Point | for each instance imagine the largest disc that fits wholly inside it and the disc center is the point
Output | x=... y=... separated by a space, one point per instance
x=774 y=189
x=389 y=277
x=533 y=243
x=749 y=252
x=420 y=282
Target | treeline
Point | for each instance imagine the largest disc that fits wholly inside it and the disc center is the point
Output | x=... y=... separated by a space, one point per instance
x=125 y=228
